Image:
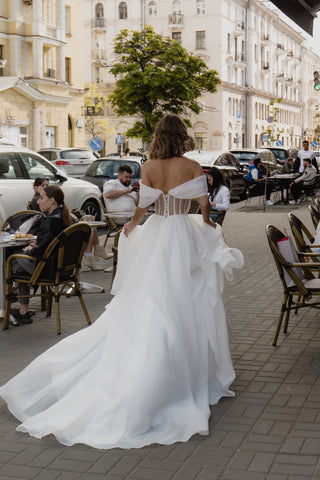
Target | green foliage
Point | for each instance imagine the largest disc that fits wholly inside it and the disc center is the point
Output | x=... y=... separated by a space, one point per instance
x=273 y=131
x=155 y=76
x=94 y=104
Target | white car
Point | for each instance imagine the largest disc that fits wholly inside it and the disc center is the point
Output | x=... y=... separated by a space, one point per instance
x=72 y=161
x=18 y=169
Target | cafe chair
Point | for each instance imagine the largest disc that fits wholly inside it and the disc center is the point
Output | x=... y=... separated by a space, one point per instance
x=64 y=254
x=17 y=219
x=221 y=216
x=303 y=238
x=115 y=255
x=315 y=215
x=300 y=286
x=112 y=227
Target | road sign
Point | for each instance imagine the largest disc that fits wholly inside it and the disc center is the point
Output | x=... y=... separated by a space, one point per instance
x=278 y=143
x=264 y=137
x=269 y=119
x=119 y=139
x=96 y=144
x=314 y=144
x=238 y=114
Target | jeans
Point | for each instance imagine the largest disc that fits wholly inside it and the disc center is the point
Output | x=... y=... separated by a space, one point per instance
x=23 y=265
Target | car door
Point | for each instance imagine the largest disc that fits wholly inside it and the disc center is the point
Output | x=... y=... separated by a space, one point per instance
x=15 y=187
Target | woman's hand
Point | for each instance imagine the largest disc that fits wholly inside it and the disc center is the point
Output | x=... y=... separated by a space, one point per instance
x=128 y=227
x=211 y=223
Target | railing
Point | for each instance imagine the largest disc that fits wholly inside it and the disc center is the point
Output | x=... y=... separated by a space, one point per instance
x=239 y=57
x=51 y=31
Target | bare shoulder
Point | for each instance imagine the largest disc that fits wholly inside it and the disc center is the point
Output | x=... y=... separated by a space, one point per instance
x=193 y=166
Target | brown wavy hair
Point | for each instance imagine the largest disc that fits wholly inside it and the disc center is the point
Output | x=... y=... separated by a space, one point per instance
x=53 y=191
x=171 y=138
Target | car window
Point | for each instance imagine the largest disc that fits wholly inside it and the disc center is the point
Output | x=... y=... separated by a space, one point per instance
x=46 y=155
x=280 y=154
x=9 y=166
x=53 y=156
x=76 y=154
x=227 y=160
x=245 y=156
x=37 y=167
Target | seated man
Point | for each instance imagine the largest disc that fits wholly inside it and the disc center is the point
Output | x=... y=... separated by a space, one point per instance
x=119 y=196
x=307 y=178
x=288 y=166
x=258 y=182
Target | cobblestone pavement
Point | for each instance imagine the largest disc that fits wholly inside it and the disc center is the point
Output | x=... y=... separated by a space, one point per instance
x=270 y=430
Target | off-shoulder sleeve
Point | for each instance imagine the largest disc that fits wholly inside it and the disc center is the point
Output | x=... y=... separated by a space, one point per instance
x=197 y=187
x=148 y=195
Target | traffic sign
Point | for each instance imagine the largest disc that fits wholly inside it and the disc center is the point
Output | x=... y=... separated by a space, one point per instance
x=96 y=144
x=238 y=115
x=264 y=137
x=278 y=143
x=314 y=144
x=119 y=139
x=269 y=119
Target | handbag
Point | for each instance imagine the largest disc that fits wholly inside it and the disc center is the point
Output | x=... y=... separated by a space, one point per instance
x=287 y=250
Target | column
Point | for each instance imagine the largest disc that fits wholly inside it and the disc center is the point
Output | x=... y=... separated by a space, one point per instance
x=15 y=56
x=37 y=57
x=61 y=66
x=36 y=128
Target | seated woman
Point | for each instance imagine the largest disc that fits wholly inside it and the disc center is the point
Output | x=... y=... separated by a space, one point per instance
x=57 y=219
x=219 y=193
x=38 y=184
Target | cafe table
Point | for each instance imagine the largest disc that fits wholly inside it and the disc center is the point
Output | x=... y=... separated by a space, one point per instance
x=284 y=180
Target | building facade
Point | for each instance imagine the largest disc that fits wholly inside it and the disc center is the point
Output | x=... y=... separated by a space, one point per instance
x=266 y=70
x=41 y=82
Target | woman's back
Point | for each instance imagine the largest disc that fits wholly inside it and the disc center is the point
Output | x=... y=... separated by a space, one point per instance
x=166 y=174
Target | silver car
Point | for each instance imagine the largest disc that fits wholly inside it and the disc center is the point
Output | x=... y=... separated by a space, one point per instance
x=73 y=161
x=18 y=169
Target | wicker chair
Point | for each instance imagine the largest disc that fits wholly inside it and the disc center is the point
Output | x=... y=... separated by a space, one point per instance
x=67 y=250
x=303 y=238
x=315 y=215
x=16 y=219
x=298 y=292
x=112 y=227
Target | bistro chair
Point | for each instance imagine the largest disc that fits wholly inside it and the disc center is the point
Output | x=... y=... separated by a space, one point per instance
x=304 y=239
x=221 y=213
x=315 y=215
x=115 y=255
x=297 y=292
x=17 y=219
x=112 y=227
x=64 y=254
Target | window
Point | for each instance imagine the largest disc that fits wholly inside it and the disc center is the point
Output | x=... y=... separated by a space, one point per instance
x=99 y=20
x=67 y=18
x=9 y=166
x=228 y=42
x=68 y=70
x=152 y=9
x=123 y=11
x=1 y=58
x=177 y=37
x=201 y=7
x=177 y=7
x=200 y=141
x=201 y=39
x=36 y=167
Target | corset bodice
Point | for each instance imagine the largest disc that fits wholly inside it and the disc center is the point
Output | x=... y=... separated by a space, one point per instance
x=167 y=204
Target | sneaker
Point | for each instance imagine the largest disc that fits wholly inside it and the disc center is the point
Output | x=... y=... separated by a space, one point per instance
x=292 y=202
x=269 y=202
x=298 y=201
x=25 y=319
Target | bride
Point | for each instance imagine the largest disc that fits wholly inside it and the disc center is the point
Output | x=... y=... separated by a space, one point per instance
x=149 y=368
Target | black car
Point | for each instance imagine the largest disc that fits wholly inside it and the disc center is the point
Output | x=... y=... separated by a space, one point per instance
x=106 y=168
x=228 y=164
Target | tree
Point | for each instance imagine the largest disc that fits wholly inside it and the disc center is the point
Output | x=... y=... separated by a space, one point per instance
x=94 y=104
x=273 y=131
x=156 y=76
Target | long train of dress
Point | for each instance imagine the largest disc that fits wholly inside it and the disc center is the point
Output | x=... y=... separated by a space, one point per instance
x=148 y=368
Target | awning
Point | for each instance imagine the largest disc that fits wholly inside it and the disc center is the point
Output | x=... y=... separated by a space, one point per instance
x=302 y=12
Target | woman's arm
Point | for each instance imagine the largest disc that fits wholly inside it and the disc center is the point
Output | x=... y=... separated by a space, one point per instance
x=140 y=212
x=205 y=210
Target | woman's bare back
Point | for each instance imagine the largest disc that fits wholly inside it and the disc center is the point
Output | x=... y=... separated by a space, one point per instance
x=166 y=174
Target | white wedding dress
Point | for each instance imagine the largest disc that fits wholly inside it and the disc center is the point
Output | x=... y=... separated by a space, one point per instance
x=147 y=370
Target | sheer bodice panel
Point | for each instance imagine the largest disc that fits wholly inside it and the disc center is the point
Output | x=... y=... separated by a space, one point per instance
x=167 y=204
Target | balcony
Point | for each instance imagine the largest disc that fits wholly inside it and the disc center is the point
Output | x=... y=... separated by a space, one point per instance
x=265 y=66
x=289 y=80
x=239 y=58
x=99 y=56
x=290 y=53
x=239 y=29
x=99 y=23
x=280 y=49
x=51 y=31
x=176 y=19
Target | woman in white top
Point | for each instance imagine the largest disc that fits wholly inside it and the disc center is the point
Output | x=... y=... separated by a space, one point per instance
x=219 y=193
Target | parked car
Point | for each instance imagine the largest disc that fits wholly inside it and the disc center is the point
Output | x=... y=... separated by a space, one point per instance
x=230 y=166
x=106 y=168
x=18 y=169
x=72 y=161
x=283 y=154
x=246 y=156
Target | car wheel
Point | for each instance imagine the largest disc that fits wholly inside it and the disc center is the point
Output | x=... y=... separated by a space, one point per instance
x=92 y=208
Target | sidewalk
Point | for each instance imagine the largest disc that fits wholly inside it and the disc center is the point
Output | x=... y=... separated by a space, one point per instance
x=270 y=430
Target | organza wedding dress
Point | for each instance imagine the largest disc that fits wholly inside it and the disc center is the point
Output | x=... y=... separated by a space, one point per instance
x=147 y=370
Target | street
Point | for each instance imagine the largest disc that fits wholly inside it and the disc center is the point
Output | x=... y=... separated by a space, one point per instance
x=270 y=430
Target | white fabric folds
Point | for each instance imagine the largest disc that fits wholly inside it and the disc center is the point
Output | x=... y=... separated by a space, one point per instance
x=147 y=370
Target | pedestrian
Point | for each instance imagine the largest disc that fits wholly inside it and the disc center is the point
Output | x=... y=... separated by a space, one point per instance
x=302 y=154
x=259 y=184
x=147 y=370
x=307 y=178
x=38 y=184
